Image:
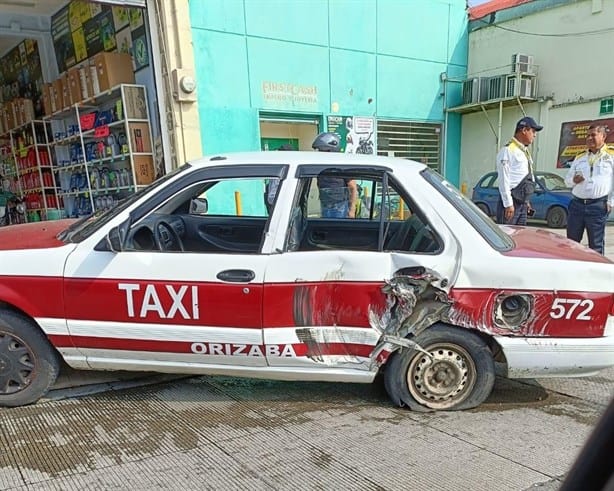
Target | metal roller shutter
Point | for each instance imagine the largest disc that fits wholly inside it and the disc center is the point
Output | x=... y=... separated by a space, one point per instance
x=410 y=140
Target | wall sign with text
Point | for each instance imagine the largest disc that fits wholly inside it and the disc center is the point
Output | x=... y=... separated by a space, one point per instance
x=573 y=139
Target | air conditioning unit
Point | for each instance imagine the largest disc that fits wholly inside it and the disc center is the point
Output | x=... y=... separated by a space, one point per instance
x=471 y=90
x=484 y=89
x=523 y=64
x=496 y=87
x=521 y=86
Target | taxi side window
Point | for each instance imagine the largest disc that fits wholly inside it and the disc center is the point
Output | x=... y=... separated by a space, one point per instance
x=321 y=218
x=234 y=198
x=218 y=216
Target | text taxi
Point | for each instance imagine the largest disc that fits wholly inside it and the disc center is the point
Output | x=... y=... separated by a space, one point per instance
x=199 y=274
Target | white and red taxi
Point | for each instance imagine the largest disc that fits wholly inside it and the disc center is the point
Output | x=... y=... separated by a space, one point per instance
x=195 y=274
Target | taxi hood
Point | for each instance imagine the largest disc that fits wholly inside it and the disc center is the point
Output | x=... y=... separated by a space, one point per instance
x=37 y=235
x=542 y=244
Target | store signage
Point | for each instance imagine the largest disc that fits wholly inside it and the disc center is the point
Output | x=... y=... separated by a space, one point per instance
x=283 y=94
x=573 y=139
x=357 y=133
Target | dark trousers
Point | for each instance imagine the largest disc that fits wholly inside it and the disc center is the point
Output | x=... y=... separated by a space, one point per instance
x=520 y=214
x=591 y=216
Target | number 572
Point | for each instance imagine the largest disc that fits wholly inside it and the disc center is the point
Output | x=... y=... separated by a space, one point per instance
x=572 y=308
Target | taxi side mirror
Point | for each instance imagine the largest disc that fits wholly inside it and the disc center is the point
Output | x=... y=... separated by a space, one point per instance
x=199 y=206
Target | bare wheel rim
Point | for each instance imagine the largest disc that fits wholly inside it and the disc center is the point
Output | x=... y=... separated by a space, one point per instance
x=443 y=381
x=16 y=364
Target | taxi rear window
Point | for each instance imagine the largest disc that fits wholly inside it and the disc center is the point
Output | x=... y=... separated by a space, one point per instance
x=488 y=229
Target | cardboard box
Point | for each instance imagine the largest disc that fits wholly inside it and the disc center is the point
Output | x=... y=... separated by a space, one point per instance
x=74 y=85
x=113 y=69
x=85 y=76
x=144 y=170
x=25 y=110
x=10 y=115
x=3 y=123
x=14 y=114
x=139 y=137
x=136 y=103
x=66 y=99
x=57 y=95
x=46 y=96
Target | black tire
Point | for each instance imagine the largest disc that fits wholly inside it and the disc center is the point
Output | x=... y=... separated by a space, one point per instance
x=484 y=208
x=29 y=365
x=557 y=217
x=461 y=377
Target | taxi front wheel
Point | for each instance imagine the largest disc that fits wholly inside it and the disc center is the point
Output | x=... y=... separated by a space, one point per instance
x=28 y=363
x=457 y=373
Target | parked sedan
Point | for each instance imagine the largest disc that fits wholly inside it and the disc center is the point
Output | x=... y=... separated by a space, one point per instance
x=192 y=274
x=550 y=201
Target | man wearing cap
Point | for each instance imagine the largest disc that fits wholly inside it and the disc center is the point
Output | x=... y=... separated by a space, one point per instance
x=591 y=177
x=515 y=171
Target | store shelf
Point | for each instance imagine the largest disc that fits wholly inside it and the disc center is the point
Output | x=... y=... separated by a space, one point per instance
x=110 y=160
x=65 y=141
x=114 y=142
x=29 y=144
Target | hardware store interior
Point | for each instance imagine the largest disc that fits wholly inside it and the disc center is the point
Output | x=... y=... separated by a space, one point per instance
x=78 y=108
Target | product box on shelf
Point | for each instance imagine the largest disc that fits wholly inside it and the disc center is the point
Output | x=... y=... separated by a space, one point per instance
x=8 y=115
x=139 y=137
x=113 y=69
x=144 y=170
x=24 y=111
x=66 y=95
x=17 y=112
x=85 y=79
x=136 y=102
x=47 y=108
x=57 y=95
x=74 y=85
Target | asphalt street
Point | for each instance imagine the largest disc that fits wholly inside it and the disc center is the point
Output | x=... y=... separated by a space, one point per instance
x=118 y=431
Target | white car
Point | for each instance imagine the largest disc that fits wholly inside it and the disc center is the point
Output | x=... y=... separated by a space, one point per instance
x=192 y=275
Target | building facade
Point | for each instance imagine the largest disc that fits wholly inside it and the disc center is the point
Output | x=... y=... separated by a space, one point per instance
x=561 y=77
x=271 y=72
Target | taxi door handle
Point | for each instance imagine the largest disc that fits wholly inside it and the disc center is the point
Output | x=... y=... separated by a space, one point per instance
x=236 y=275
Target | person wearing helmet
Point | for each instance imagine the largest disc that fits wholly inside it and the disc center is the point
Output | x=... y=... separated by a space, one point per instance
x=338 y=196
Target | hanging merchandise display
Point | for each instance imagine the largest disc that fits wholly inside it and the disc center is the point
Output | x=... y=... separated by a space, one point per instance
x=79 y=142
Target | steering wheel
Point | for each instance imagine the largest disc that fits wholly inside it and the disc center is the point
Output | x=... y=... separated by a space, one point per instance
x=166 y=237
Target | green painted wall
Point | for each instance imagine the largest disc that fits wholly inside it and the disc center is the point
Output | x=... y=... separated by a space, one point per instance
x=381 y=58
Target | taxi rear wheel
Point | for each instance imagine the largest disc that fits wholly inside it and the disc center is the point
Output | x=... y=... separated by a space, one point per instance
x=457 y=373
x=28 y=363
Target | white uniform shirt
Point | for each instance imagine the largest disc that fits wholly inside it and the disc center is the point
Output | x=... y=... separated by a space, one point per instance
x=513 y=164
x=598 y=172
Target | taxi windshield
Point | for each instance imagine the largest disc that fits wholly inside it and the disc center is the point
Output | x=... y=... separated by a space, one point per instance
x=82 y=229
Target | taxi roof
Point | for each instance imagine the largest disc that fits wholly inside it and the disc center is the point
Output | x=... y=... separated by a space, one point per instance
x=295 y=159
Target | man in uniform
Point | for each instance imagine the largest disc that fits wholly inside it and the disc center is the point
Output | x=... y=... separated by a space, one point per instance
x=515 y=171
x=591 y=177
